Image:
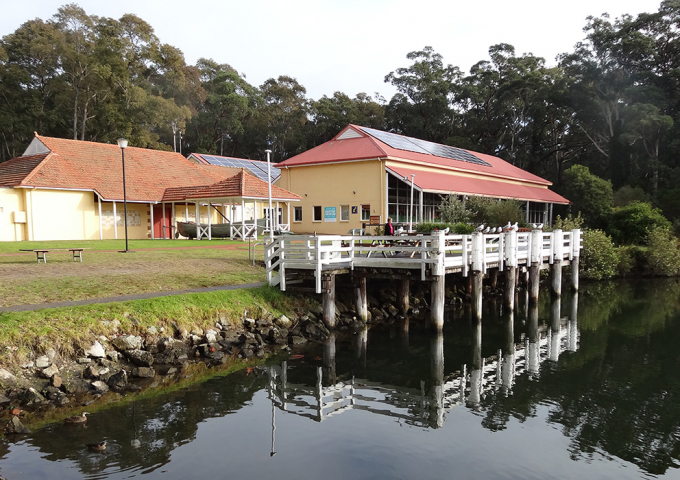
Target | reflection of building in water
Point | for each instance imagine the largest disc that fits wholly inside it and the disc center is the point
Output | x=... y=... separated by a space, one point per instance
x=428 y=405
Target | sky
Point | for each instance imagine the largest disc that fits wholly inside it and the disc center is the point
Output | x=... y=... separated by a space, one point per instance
x=349 y=45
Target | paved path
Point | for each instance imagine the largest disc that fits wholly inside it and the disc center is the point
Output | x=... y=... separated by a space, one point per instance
x=124 y=298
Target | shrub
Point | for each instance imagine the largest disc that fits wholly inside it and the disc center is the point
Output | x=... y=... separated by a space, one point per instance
x=494 y=212
x=458 y=228
x=662 y=256
x=598 y=256
x=629 y=225
x=631 y=260
x=569 y=223
x=453 y=210
x=627 y=195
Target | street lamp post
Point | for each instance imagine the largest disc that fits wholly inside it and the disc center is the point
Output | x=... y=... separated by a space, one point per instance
x=269 y=186
x=123 y=143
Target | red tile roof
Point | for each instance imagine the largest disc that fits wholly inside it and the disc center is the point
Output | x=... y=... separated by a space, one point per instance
x=368 y=147
x=241 y=185
x=14 y=171
x=75 y=164
x=442 y=183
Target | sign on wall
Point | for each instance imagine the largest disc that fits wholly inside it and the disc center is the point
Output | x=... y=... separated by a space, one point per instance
x=330 y=214
x=355 y=210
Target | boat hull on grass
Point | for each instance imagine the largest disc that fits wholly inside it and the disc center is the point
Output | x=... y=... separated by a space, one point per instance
x=217 y=230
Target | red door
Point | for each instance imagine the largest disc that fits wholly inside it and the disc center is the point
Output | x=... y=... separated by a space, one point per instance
x=162 y=221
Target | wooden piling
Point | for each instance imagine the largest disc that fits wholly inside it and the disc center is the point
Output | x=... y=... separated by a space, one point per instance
x=329 y=301
x=509 y=292
x=556 y=279
x=493 y=278
x=477 y=295
x=437 y=302
x=360 y=300
x=574 y=274
x=534 y=269
x=403 y=287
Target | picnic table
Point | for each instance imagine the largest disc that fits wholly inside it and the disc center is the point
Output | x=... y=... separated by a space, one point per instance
x=41 y=253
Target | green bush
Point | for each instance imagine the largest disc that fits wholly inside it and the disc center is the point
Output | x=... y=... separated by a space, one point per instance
x=598 y=256
x=494 y=212
x=662 y=256
x=458 y=228
x=631 y=260
x=453 y=210
x=629 y=225
x=567 y=224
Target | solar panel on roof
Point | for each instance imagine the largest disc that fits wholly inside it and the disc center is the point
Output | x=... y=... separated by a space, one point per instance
x=256 y=167
x=416 y=145
x=395 y=141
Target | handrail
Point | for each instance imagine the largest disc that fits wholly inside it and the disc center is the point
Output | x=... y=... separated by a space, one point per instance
x=436 y=251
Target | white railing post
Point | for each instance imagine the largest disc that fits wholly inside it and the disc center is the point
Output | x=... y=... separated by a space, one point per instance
x=557 y=245
x=438 y=244
x=478 y=248
x=282 y=266
x=318 y=265
x=576 y=243
x=536 y=246
x=510 y=250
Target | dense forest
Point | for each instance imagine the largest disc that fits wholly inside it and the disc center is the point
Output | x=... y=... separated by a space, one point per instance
x=612 y=105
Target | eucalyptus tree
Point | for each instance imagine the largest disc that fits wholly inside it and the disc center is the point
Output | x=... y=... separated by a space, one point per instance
x=426 y=93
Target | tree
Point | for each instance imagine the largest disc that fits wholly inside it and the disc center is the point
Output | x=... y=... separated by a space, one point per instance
x=590 y=195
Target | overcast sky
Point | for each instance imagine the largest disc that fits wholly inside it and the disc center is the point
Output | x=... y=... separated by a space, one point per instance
x=348 y=45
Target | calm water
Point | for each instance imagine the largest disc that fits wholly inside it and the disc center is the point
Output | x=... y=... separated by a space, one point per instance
x=586 y=388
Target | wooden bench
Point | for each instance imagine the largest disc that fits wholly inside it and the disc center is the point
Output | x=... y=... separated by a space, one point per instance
x=41 y=254
x=77 y=254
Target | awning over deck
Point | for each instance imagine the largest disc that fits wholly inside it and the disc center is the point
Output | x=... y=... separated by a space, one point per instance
x=443 y=183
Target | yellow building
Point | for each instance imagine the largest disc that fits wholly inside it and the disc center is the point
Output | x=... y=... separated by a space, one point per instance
x=365 y=175
x=71 y=190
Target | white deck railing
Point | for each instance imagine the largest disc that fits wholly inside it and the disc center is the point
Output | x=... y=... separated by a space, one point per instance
x=438 y=252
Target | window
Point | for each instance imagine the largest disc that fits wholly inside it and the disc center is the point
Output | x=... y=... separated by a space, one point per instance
x=344 y=213
x=298 y=214
x=317 y=213
x=366 y=213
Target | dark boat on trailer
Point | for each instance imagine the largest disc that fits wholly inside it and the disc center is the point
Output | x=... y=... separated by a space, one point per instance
x=217 y=230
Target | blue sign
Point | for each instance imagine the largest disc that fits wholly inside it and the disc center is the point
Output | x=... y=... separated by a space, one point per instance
x=330 y=214
x=355 y=210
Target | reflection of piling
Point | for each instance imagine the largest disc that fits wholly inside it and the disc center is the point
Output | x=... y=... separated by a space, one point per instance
x=360 y=300
x=362 y=340
x=437 y=371
x=477 y=364
x=555 y=330
x=573 y=323
x=329 y=358
x=508 y=367
x=533 y=339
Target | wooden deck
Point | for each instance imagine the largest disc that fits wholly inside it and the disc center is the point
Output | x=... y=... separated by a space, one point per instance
x=431 y=255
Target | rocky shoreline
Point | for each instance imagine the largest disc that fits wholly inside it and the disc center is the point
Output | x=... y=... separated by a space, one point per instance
x=123 y=363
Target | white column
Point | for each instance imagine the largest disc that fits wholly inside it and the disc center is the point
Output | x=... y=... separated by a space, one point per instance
x=101 y=230
x=198 y=222
x=115 y=222
x=186 y=211
x=290 y=222
x=243 y=219
x=209 y=220
x=277 y=215
x=153 y=233
x=420 y=210
x=174 y=220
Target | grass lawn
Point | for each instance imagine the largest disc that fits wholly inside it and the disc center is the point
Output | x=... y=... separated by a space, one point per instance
x=154 y=265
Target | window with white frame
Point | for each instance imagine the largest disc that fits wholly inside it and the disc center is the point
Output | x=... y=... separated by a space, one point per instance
x=344 y=213
x=366 y=213
x=317 y=213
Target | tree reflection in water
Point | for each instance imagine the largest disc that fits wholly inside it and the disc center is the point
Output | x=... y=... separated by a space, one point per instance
x=613 y=386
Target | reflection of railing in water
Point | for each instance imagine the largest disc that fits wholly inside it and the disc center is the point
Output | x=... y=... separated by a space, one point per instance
x=418 y=407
